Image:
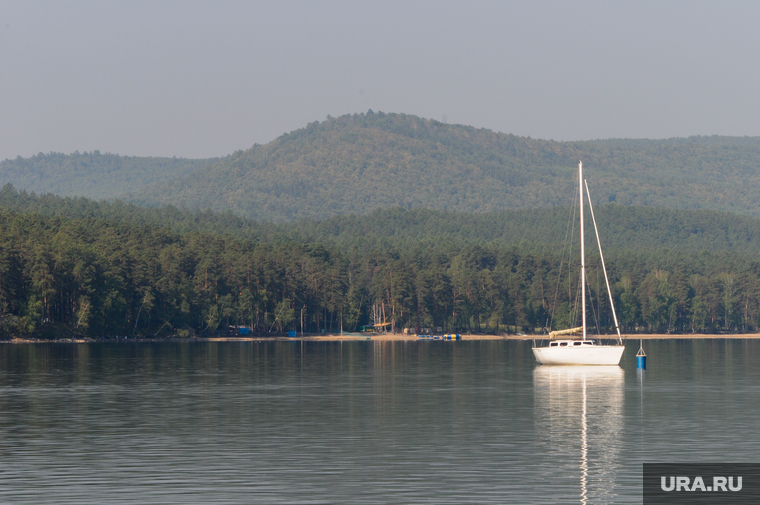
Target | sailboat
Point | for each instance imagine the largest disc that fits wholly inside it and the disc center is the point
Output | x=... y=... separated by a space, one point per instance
x=576 y=348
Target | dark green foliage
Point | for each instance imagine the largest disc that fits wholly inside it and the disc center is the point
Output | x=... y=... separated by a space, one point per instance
x=92 y=175
x=621 y=227
x=77 y=266
x=362 y=162
x=73 y=265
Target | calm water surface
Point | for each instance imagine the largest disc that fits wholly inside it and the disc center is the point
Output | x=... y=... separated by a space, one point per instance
x=363 y=422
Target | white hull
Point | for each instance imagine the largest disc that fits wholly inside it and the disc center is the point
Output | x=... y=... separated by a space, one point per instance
x=581 y=355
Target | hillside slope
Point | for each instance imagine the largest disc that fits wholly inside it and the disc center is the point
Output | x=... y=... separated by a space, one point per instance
x=363 y=162
x=92 y=175
x=623 y=228
x=358 y=163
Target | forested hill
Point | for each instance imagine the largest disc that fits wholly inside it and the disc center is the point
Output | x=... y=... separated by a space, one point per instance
x=623 y=228
x=362 y=162
x=92 y=175
x=61 y=276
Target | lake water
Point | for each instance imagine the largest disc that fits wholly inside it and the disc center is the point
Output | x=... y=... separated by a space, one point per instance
x=363 y=422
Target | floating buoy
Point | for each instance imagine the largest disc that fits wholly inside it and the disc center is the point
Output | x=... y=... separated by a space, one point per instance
x=641 y=357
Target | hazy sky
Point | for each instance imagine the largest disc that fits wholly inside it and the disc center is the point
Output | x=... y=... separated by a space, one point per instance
x=200 y=79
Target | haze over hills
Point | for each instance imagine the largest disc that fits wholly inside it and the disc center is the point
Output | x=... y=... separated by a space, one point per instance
x=363 y=162
x=630 y=228
x=92 y=174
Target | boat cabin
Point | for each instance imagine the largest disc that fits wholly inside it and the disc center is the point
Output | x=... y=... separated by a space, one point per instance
x=571 y=343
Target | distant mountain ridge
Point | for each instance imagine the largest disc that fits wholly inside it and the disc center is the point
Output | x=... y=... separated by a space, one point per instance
x=362 y=162
x=359 y=163
x=92 y=174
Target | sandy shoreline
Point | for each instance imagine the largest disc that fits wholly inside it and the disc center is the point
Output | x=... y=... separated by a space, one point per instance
x=384 y=337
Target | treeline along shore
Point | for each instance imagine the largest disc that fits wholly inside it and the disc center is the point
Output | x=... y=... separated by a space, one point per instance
x=66 y=270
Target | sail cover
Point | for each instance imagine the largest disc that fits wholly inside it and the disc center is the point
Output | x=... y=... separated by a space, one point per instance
x=568 y=331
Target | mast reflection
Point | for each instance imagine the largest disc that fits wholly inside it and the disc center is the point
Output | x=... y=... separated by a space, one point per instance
x=580 y=412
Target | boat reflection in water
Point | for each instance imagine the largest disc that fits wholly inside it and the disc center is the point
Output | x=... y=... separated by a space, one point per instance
x=580 y=412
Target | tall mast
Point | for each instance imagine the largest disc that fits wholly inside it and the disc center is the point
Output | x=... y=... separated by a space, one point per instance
x=583 y=250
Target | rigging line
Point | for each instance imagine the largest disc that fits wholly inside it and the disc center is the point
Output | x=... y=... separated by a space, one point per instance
x=578 y=290
x=576 y=304
x=593 y=310
x=569 y=232
x=570 y=253
x=570 y=222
